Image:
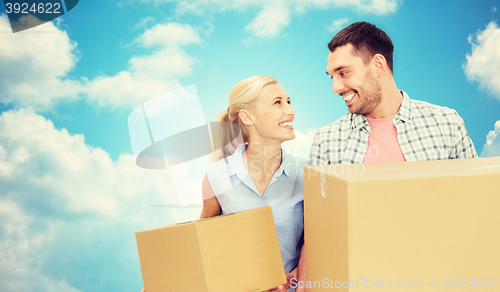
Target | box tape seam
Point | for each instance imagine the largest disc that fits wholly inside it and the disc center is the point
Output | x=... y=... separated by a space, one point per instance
x=324 y=191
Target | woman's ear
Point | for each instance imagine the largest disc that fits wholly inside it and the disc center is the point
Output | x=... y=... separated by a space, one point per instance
x=245 y=117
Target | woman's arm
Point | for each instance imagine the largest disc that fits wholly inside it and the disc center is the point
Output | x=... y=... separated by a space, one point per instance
x=211 y=205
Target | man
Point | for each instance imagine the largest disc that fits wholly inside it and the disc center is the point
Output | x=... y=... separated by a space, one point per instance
x=383 y=123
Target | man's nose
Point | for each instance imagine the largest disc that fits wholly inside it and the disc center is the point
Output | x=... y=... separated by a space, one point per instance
x=337 y=86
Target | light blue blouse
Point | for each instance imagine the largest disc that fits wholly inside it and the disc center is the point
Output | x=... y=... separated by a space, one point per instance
x=236 y=191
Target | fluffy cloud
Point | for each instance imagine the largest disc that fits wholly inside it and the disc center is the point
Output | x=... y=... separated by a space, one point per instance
x=145 y=21
x=338 y=24
x=165 y=64
x=65 y=208
x=275 y=15
x=150 y=75
x=492 y=146
x=125 y=89
x=270 y=21
x=483 y=63
x=17 y=258
x=35 y=64
x=301 y=145
x=170 y=34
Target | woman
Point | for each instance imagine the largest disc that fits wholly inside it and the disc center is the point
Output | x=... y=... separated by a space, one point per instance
x=252 y=170
x=258 y=172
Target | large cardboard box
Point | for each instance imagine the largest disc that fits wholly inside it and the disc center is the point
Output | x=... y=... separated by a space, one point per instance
x=237 y=252
x=427 y=226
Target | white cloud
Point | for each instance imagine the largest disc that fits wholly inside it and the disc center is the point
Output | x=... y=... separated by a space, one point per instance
x=150 y=75
x=18 y=262
x=492 y=146
x=275 y=15
x=65 y=207
x=126 y=89
x=38 y=157
x=165 y=64
x=301 y=145
x=270 y=21
x=379 y=7
x=35 y=64
x=338 y=24
x=72 y=177
x=145 y=21
x=170 y=34
x=483 y=63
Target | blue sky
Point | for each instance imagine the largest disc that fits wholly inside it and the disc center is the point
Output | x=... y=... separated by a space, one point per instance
x=71 y=196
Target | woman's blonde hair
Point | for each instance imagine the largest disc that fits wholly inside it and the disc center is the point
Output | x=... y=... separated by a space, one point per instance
x=243 y=96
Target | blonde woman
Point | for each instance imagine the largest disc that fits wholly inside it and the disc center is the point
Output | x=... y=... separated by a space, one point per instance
x=254 y=170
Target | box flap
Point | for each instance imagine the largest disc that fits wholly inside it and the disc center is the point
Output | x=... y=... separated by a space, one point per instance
x=410 y=169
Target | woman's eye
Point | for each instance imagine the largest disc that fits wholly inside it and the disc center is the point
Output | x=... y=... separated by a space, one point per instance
x=278 y=102
x=342 y=74
x=289 y=102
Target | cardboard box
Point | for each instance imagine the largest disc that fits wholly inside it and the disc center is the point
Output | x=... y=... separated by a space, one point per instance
x=425 y=226
x=234 y=252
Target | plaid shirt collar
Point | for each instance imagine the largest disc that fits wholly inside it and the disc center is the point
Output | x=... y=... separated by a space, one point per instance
x=359 y=122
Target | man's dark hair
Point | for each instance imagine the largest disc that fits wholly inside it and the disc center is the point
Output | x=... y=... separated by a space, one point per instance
x=367 y=40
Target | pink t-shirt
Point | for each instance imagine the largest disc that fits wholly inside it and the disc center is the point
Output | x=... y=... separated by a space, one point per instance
x=383 y=145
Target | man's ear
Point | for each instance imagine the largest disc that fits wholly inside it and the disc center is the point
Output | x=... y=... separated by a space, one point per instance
x=245 y=117
x=379 y=65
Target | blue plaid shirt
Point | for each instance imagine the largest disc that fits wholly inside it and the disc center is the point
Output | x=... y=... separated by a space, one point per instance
x=424 y=131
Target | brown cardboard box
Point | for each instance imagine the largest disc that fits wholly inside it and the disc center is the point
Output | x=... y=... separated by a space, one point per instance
x=425 y=226
x=234 y=252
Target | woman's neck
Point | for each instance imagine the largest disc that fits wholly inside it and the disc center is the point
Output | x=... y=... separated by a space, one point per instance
x=262 y=160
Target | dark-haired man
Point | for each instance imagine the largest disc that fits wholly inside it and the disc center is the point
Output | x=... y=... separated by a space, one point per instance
x=383 y=123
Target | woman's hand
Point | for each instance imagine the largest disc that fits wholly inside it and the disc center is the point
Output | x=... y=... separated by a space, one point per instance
x=143 y=290
x=289 y=277
x=301 y=272
x=298 y=274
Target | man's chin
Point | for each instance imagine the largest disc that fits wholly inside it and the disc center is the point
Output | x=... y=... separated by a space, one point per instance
x=352 y=109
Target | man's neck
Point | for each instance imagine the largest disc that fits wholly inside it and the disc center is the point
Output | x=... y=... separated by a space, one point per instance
x=389 y=106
